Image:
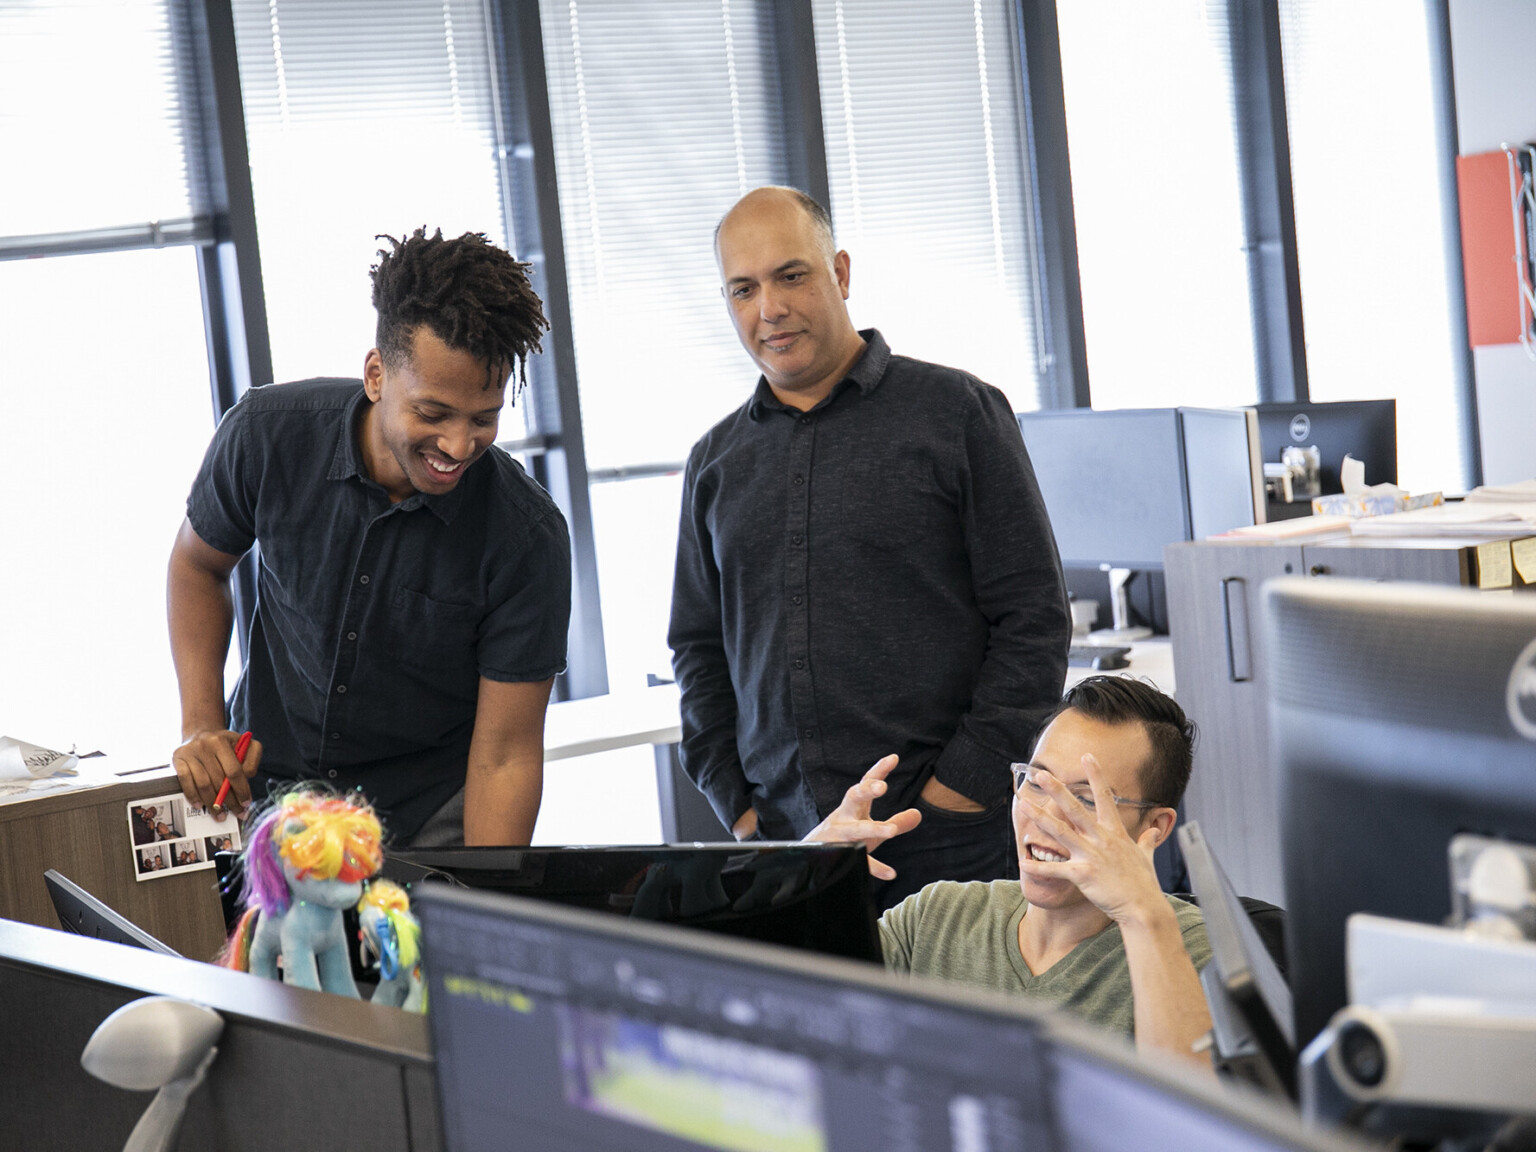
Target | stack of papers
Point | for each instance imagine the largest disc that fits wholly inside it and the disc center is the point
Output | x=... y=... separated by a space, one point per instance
x=1491 y=518
x=1521 y=493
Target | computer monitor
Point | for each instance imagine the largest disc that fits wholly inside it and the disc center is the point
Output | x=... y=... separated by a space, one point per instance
x=1250 y=1002
x=810 y=896
x=1364 y=429
x=1113 y=483
x=81 y=913
x=1400 y=715
x=574 y=1030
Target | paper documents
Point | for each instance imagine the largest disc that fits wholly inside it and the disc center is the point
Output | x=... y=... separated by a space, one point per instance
x=1491 y=518
x=1522 y=493
x=22 y=761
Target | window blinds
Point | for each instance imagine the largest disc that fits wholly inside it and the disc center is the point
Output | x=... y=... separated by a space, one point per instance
x=921 y=106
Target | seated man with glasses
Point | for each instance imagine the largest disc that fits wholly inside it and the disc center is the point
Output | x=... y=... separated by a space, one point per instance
x=1086 y=926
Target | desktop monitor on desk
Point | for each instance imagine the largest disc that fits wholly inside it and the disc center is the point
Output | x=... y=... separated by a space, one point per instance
x=1401 y=715
x=810 y=896
x=1122 y=484
x=1364 y=429
x=567 y=1030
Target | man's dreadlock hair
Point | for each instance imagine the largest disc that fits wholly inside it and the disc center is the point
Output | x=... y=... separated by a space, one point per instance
x=472 y=294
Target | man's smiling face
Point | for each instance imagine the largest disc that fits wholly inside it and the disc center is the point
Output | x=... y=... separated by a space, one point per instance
x=1120 y=749
x=432 y=416
x=786 y=290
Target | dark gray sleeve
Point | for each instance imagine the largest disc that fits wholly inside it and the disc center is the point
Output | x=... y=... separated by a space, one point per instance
x=697 y=638
x=1019 y=588
x=222 y=504
x=523 y=637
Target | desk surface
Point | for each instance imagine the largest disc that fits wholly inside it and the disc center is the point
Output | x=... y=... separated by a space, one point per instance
x=1149 y=659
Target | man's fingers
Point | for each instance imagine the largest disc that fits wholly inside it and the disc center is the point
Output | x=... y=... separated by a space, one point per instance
x=881 y=768
x=1103 y=797
x=905 y=821
x=881 y=870
x=1070 y=809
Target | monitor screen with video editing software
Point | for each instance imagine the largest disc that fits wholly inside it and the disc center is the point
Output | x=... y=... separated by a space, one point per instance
x=564 y=1029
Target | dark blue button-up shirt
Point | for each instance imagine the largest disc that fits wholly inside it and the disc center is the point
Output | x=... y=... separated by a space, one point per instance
x=875 y=575
x=375 y=620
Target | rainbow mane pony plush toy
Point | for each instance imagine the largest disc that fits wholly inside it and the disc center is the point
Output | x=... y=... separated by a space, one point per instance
x=306 y=860
x=393 y=935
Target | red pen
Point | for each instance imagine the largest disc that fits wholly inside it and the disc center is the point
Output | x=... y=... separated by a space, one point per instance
x=242 y=746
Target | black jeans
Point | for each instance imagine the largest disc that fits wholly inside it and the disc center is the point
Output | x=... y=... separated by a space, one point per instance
x=947 y=846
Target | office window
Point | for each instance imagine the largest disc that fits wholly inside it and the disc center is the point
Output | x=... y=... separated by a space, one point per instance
x=90 y=117
x=1369 y=224
x=921 y=107
x=1158 y=200
x=663 y=116
x=105 y=400
x=364 y=117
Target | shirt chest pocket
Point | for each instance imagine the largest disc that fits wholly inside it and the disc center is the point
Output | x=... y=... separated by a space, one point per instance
x=891 y=502
x=430 y=633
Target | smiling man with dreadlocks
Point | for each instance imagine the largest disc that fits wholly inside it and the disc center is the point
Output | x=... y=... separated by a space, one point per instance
x=414 y=583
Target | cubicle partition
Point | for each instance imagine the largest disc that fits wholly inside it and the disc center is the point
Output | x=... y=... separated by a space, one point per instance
x=295 y=1069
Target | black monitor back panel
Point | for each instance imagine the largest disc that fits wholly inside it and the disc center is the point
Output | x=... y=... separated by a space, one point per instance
x=810 y=896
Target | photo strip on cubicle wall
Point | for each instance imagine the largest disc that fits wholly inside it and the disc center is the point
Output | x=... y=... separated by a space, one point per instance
x=168 y=835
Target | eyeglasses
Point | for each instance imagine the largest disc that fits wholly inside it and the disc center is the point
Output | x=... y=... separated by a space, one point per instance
x=1025 y=780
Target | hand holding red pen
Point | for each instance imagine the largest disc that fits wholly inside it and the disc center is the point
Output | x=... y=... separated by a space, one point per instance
x=214 y=769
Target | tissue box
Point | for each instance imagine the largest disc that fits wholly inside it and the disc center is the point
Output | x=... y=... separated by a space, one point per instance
x=1373 y=503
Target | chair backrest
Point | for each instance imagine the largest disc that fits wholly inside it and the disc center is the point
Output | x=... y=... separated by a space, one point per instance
x=1268 y=921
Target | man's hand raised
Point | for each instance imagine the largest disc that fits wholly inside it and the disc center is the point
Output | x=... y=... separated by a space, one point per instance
x=850 y=820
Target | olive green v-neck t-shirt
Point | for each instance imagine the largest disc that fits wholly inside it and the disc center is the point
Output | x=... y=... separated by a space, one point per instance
x=969 y=933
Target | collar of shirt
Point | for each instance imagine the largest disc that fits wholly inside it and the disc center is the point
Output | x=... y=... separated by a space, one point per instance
x=348 y=462
x=865 y=375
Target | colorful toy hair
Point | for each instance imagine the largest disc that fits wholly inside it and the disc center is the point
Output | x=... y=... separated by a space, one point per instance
x=390 y=899
x=324 y=837
x=236 y=952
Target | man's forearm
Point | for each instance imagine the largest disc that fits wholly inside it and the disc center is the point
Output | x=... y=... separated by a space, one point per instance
x=501 y=801
x=1170 y=1009
x=200 y=610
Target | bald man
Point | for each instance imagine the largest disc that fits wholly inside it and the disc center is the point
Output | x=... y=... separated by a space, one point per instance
x=864 y=567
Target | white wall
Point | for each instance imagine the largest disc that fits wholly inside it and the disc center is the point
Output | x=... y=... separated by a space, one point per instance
x=1493 y=52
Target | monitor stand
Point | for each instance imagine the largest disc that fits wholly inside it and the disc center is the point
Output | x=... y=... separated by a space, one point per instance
x=1122 y=631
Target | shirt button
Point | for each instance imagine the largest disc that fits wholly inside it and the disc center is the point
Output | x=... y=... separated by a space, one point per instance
x=808 y=733
x=351 y=635
x=332 y=773
x=797 y=540
x=799 y=664
x=799 y=479
x=362 y=579
x=335 y=735
x=792 y=600
x=805 y=419
x=342 y=688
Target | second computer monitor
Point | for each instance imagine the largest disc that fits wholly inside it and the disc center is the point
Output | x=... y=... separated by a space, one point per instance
x=1122 y=484
x=1364 y=429
x=1402 y=715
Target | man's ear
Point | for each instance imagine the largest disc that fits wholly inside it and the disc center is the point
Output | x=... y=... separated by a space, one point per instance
x=841 y=264
x=1163 y=820
x=373 y=374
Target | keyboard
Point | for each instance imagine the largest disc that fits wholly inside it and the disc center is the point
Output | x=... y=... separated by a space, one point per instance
x=1099 y=657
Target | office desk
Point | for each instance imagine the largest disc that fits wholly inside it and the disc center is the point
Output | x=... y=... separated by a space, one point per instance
x=1151 y=659
x=82 y=831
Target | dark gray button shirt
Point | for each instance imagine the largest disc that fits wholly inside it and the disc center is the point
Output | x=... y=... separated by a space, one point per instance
x=375 y=621
x=875 y=575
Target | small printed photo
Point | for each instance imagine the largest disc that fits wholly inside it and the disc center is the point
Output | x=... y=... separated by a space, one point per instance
x=168 y=834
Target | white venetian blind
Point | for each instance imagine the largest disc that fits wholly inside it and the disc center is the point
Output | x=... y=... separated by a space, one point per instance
x=90 y=117
x=921 y=106
x=1369 y=232
x=363 y=117
x=664 y=114
x=1158 y=198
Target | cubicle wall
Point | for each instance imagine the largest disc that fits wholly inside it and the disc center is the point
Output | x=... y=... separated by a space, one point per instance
x=295 y=1069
